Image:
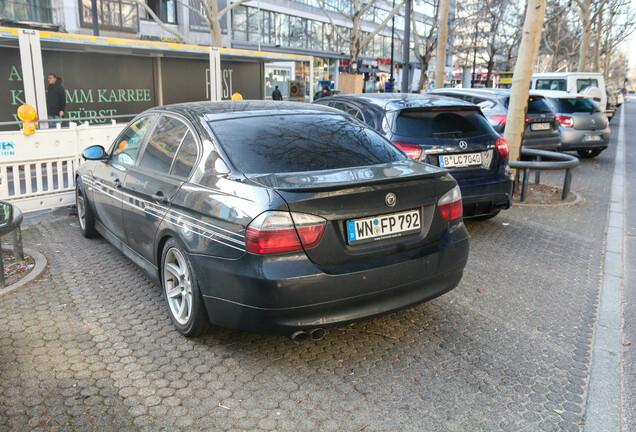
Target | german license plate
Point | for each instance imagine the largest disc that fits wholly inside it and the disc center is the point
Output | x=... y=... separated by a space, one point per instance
x=540 y=126
x=588 y=138
x=383 y=227
x=460 y=160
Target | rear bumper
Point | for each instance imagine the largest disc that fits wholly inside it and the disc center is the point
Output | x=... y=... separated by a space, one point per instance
x=289 y=293
x=542 y=143
x=485 y=196
x=573 y=139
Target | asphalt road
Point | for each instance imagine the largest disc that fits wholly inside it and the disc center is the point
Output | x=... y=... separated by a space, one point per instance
x=89 y=345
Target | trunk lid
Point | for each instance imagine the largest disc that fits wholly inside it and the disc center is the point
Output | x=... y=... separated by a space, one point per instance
x=340 y=196
x=459 y=139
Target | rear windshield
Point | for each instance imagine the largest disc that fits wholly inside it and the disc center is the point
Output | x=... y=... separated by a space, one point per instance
x=572 y=105
x=300 y=142
x=444 y=124
x=551 y=84
x=538 y=105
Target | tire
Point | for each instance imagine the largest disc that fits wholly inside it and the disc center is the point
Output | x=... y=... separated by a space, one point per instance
x=589 y=153
x=485 y=217
x=181 y=292
x=85 y=217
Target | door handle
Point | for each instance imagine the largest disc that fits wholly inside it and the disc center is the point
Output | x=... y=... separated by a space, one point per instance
x=117 y=183
x=160 y=198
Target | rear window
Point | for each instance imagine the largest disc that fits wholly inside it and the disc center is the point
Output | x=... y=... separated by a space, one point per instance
x=538 y=105
x=444 y=124
x=572 y=105
x=299 y=142
x=551 y=84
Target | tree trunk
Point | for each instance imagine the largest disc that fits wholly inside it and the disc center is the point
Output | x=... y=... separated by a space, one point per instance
x=555 y=56
x=530 y=40
x=599 y=37
x=587 y=35
x=440 y=58
x=424 y=74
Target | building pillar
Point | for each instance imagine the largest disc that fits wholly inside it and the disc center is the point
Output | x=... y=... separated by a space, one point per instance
x=32 y=71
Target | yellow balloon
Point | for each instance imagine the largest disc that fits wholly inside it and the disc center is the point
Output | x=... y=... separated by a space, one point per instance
x=237 y=96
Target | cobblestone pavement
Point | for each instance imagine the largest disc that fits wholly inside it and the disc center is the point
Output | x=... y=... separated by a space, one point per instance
x=89 y=346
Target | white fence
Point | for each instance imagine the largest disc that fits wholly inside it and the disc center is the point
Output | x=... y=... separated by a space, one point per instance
x=37 y=172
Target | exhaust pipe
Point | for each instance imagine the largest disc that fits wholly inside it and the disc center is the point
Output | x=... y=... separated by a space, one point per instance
x=299 y=337
x=318 y=333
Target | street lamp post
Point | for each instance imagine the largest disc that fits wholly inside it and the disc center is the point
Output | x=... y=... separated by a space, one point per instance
x=391 y=79
x=472 y=81
x=407 y=47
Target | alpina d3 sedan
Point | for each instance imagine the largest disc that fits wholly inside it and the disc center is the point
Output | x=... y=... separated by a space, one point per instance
x=273 y=217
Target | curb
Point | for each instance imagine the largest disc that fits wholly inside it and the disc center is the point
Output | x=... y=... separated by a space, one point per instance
x=38 y=268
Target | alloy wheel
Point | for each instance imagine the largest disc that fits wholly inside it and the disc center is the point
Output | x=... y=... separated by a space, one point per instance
x=81 y=209
x=178 y=286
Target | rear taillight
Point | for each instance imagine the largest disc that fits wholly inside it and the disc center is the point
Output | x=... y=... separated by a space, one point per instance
x=502 y=147
x=412 y=150
x=499 y=119
x=450 y=205
x=566 y=121
x=276 y=232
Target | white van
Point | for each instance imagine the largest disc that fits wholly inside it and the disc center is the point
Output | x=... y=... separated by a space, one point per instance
x=589 y=84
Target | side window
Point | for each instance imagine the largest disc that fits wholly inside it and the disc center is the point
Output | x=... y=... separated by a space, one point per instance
x=163 y=144
x=339 y=105
x=350 y=109
x=125 y=148
x=186 y=157
x=550 y=84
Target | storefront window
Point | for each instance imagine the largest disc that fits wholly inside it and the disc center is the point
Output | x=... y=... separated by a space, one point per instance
x=277 y=76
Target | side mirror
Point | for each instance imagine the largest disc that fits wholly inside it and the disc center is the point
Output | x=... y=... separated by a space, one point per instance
x=95 y=152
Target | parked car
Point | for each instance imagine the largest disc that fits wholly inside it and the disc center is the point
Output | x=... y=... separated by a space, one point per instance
x=542 y=129
x=443 y=132
x=612 y=104
x=588 y=84
x=620 y=97
x=273 y=217
x=584 y=127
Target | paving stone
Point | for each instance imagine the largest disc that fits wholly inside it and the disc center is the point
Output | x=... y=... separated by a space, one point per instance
x=90 y=344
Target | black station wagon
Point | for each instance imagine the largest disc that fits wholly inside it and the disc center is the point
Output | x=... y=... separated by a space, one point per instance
x=273 y=217
x=444 y=132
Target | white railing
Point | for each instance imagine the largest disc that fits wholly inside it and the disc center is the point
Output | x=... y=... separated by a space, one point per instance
x=37 y=172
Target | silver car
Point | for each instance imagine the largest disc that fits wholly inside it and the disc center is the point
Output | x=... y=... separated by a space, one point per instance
x=583 y=126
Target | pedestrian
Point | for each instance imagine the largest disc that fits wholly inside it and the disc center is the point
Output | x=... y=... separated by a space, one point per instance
x=55 y=99
x=277 y=95
x=326 y=91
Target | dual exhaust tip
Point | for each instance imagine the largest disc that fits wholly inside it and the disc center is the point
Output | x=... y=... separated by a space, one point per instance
x=302 y=336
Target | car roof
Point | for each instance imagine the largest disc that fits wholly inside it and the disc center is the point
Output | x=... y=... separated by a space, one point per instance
x=398 y=101
x=485 y=92
x=212 y=111
x=559 y=94
x=564 y=74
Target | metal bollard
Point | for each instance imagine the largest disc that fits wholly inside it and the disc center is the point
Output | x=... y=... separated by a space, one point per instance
x=524 y=184
x=566 y=184
x=537 y=173
x=18 y=250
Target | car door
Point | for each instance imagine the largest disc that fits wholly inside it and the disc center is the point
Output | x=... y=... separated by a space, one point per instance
x=151 y=185
x=109 y=175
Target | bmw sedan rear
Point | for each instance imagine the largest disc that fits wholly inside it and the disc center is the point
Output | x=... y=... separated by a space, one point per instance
x=446 y=133
x=280 y=218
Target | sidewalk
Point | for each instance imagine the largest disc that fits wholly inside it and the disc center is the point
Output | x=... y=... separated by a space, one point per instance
x=89 y=346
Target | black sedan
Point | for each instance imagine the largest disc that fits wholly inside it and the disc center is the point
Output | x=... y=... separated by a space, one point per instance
x=444 y=132
x=273 y=217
